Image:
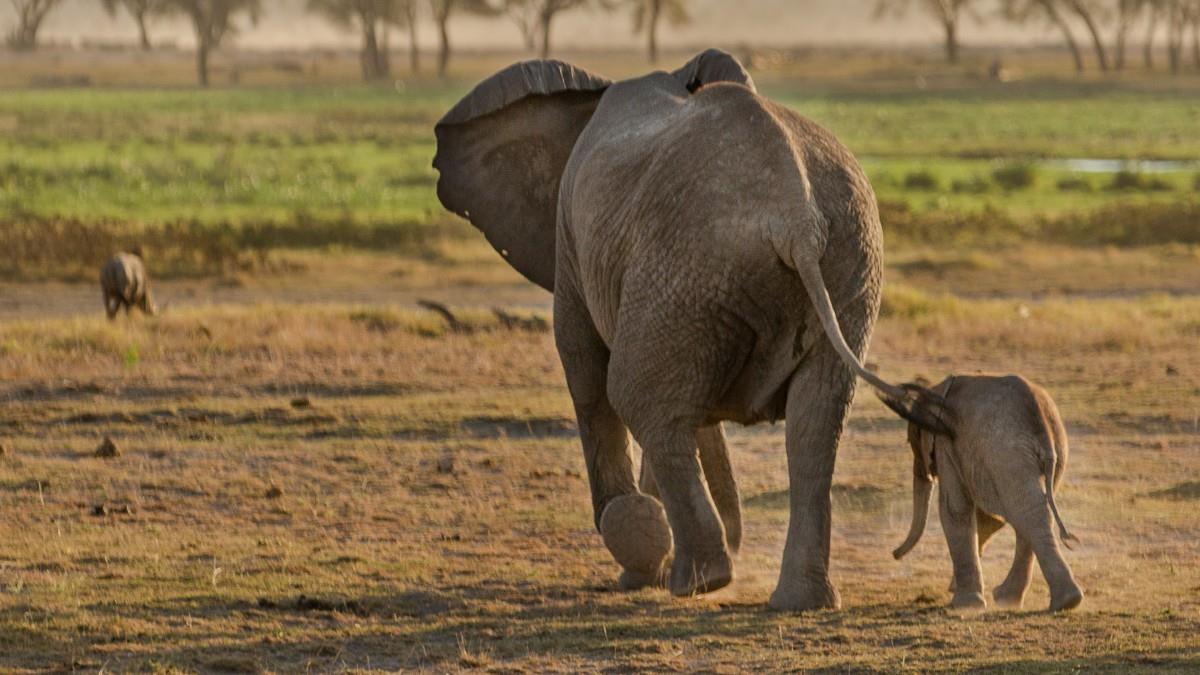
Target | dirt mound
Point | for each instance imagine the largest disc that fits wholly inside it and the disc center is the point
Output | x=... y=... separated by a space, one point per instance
x=1188 y=490
x=514 y=427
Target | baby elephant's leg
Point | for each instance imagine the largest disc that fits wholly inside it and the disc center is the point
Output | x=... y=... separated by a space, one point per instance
x=1011 y=592
x=958 y=522
x=985 y=526
x=1031 y=520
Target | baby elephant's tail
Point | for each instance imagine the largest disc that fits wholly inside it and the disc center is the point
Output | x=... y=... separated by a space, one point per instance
x=1048 y=469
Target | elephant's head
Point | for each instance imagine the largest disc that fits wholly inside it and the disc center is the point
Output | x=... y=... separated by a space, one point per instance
x=502 y=149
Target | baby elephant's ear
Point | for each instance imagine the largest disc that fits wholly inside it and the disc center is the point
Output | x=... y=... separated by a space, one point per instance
x=713 y=65
x=501 y=152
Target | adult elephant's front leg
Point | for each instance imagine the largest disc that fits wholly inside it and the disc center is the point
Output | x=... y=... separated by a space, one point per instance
x=818 y=403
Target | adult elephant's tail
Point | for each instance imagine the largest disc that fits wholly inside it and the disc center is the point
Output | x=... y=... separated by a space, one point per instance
x=911 y=401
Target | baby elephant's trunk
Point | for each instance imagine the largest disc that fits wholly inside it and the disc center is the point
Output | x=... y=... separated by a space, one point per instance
x=922 y=492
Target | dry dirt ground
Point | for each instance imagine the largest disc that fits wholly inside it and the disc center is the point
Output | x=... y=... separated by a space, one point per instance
x=349 y=485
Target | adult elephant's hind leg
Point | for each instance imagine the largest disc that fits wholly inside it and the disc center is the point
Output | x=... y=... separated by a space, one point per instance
x=714 y=457
x=634 y=527
x=718 y=474
x=818 y=402
x=702 y=562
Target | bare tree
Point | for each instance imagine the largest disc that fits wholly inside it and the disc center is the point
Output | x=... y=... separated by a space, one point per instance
x=534 y=18
x=443 y=10
x=141 y=11
x=525 y=14
x=548 y=9
x=407 y=18
x=1127 y=14
x=1024 y=11
x=1195 y=25
x=30 y=15
x=1091 y=14
x=948 y=13
x=1181 y=15
x=1155 y=10
x=213 y=21
x=647 y=14
x=372 y=18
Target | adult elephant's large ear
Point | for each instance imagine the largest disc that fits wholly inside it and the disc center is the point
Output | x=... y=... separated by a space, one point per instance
x=712 y=65
x=501 y=152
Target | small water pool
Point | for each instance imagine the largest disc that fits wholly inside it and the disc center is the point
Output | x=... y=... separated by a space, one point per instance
x=1093 y=165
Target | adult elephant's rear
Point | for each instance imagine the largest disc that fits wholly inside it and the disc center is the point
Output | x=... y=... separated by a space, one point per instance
x=702 y=244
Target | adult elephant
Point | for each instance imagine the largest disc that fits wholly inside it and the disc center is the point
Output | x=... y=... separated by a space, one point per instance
x=713 y=256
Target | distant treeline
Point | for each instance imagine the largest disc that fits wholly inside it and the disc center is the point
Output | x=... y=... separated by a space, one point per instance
x=1105 y=28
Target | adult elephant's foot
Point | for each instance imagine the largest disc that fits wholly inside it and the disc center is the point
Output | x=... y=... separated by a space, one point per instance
x=692 y=575
x=799 y=595
x=968 y=600
x=1008 y=597
x=636 y=532
x=1067 y=597
x=631 y=580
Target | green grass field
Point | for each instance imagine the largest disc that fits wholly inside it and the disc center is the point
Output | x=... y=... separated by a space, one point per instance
x=355 y=155
x=315 y=475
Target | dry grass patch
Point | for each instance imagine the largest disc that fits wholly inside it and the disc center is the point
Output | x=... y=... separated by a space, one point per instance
x=428 y=508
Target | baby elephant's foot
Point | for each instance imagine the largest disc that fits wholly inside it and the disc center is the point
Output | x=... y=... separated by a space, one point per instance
x=636 y=532
x=1067 y=597
x=968 y=600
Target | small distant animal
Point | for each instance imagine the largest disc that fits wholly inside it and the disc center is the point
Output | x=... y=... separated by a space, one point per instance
x=997 y=72
x=1007 y=439
x=124 y=283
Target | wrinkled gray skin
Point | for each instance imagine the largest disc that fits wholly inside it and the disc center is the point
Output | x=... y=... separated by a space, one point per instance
x=1007 y=441
x=713 y=256
x=124 y=283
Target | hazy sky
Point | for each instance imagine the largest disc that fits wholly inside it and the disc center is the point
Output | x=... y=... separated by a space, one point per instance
x=718 y=22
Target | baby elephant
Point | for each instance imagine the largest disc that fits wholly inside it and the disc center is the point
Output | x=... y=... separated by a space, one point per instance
x=124 y=282
x=1006 y=439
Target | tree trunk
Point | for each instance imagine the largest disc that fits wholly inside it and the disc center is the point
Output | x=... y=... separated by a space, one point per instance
x=1174 y=45
x=143 y=34
x=1119 y=51
x=1175 y=37
x=443 y=45
x=414 y=49
x=1065 y=28
x=951 y=26
x=1119 y=47
x=1148 y=46
x=547 y=18
x=652 y=30
x=1196 y=42
x=202 y=62
x=1097 y=39
x=369 y=57
x=383 y=62
x=24 y=37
